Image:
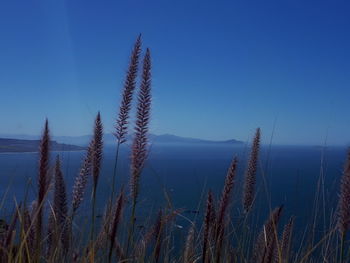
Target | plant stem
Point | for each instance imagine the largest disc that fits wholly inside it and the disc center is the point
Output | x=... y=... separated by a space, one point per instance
x=113 y=189
x=115 y=170
x=342 y=247
x=131 y=227
x=93 y=219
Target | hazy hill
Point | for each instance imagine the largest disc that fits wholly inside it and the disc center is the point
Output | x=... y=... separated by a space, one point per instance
x=17 y=145
x=109 y=139
x=169 y=138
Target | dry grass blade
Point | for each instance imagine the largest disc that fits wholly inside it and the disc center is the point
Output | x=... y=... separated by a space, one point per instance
x=26 y=221
x=28 y=235
x=158 y=230
x=6 y=239
x=250 y=174
x=266 y=241
x=32 y=227
x=208 y=224
x=189 y=246
x=10 y=230
x=51 y=233
x=154 y=233
x=120 y=256
x=105 y=227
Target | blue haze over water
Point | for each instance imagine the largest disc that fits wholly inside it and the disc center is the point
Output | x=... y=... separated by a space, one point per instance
x=187 y=171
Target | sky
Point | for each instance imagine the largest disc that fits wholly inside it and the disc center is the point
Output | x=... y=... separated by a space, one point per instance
x=220 y=68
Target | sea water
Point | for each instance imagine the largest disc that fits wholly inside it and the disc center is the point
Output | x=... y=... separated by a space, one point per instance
x=178 y=176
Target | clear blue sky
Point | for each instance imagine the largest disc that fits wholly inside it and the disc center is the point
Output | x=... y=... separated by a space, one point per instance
x=221 y=68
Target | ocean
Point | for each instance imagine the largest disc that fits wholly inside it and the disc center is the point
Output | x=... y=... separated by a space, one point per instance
x=180 y=175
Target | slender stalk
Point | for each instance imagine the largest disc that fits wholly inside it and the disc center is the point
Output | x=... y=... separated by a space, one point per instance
x=125 y=106
x=115 y=169
x=207 y=225
x=250 y=174
x=42 y=185
x=342 y=241
x=189 y=248
x=223 y=207
x=57 y=221
x=97 y=145
x=116 y=219
x=124 y=112
x=79 y=191
x=140 y=147
x=92 y=247
x=344 y=206
x=284 y=248
x=131 y=227
x=267 y=238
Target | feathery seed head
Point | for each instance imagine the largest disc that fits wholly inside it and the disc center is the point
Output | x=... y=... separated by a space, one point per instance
x=223 y=207
x=97 y=149
x=286 y=239
x=60 y=196
x=81 y=179
x=250 y=174
x=116 y=219
x=139 y=147
x=128 y=91
x=43 y=178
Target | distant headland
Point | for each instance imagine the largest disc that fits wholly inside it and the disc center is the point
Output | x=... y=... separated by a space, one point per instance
x=74 y=142
x=20 y=145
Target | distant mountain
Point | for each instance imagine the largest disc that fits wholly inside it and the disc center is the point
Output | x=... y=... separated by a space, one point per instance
x=20 y=136
x=16 y=145
x=169 y=138
x=109 y=139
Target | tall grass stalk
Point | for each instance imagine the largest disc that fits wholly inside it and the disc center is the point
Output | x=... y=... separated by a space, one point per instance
x=223 y=207
x=125 y=106
x=96 y=159
x=250 y=174
x=208 y=222
x=344 y=206
x=115 y=223
x=79 y=188
x=42 y=184
x=140 y=147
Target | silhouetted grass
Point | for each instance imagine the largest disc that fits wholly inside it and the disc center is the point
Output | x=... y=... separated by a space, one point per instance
x=46 y=231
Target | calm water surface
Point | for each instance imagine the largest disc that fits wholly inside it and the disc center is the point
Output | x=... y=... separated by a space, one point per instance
x=186 y=172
